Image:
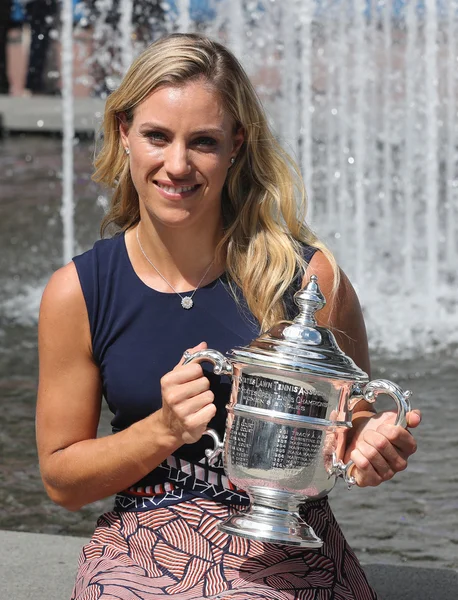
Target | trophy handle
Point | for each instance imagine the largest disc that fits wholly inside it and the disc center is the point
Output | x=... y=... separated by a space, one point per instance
x=370 y=393
x=212 y=454
x=401 y=398
x=221 y=366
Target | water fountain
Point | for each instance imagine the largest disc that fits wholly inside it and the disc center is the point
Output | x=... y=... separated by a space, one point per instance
x=363 y=95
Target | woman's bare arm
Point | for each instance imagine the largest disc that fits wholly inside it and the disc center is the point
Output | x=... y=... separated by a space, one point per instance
x=77 y=468
x=342 y=313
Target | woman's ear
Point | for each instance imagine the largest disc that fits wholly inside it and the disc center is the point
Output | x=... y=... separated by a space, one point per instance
x=123 y=128
x=238 y=139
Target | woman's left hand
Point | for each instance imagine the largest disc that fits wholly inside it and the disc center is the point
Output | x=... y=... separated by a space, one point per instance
x=379 y=448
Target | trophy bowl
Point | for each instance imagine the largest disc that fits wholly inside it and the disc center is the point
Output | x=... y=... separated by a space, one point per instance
x=291 y=406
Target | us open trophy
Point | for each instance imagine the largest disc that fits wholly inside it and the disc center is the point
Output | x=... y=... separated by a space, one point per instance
x=292 y=400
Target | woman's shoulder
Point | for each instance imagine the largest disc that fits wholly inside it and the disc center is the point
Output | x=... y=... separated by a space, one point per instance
x=68 y=288
x=319 y=264
x=342 y=312
x=62 y=294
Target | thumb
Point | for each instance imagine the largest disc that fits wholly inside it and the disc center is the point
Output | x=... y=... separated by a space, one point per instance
x=201 y=346
x=413 y=418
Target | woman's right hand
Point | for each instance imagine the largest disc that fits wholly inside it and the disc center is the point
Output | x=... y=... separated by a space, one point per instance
x=187 y=401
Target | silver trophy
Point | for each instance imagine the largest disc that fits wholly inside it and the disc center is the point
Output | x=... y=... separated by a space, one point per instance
x=292 y=400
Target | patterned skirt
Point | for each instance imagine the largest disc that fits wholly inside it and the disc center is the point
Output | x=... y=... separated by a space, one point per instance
x=177 y=551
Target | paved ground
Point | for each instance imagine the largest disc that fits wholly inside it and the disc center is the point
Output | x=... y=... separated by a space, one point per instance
x=36 y=566
x=43 y=114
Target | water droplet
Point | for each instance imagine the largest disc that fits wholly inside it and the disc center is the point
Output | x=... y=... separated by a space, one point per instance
x=40 y=123
x=334 y=111
x=337 y=174
x=351 y=160
x=111 y=83
x=337 y=235
x=102 y=201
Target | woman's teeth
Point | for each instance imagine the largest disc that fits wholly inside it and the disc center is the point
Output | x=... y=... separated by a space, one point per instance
x=176 y=190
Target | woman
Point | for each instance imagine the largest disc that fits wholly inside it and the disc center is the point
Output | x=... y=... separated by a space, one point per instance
x=211 y=247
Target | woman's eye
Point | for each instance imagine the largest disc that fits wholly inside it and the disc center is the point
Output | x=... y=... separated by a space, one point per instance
x=205 y=141
x=156 y=136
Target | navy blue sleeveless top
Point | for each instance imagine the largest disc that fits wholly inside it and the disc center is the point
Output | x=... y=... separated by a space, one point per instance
x=139 y=334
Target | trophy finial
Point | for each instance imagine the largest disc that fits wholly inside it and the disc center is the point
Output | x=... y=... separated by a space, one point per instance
x=309 y=300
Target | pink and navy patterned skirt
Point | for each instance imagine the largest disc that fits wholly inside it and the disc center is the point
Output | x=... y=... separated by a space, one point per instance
x=177 y=551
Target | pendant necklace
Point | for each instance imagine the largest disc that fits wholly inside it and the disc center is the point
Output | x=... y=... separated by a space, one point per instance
x=187 y=302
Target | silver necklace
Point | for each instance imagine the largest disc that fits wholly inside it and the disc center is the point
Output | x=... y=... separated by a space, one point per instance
x=187 y=302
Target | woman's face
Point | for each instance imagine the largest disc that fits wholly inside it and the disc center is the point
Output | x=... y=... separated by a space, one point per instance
x=181 y=142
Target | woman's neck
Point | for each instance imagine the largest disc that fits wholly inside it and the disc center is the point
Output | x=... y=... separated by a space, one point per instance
x=180 y=255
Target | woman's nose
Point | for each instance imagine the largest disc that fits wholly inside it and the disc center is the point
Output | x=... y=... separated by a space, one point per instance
x=176 y=160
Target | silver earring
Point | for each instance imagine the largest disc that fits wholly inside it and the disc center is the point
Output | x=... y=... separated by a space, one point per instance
x=232 y=161
x=127 y=151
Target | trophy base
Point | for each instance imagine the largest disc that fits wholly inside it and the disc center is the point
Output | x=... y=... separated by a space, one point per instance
x=273 y=526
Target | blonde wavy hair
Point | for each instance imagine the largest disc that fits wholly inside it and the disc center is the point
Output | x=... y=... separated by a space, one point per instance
x=263 y=199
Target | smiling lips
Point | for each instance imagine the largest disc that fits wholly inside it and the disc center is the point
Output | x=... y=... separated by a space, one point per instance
x=176 y=191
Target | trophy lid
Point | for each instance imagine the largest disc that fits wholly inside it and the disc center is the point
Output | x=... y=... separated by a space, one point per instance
x=301 y=345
